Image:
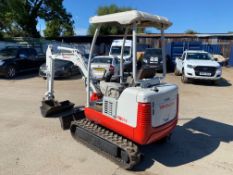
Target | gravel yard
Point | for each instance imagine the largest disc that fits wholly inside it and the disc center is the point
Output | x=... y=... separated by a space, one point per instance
x=202 y=143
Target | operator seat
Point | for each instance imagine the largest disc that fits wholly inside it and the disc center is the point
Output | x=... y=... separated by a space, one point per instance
x=145 y=72
x=111 y=89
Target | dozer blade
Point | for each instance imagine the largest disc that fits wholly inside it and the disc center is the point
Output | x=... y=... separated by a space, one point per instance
x=54 y=109
x=65 y=120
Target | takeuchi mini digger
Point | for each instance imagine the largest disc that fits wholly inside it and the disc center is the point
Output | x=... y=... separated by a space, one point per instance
x=139 y=109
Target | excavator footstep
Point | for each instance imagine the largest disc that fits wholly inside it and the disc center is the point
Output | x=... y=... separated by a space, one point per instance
x=55 y=109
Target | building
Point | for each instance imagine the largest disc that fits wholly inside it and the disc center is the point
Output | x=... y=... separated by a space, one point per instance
x=225 y=40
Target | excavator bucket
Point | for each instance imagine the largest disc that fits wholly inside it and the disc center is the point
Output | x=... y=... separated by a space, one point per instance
x=55 y=109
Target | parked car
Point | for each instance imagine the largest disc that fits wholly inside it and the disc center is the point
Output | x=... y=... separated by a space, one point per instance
x=17 y=59
x=63 y=69
x=105 y=66
x=153 y=58
x=197 y=65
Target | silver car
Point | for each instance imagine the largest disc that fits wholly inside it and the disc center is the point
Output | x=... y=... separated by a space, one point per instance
x=105 y=66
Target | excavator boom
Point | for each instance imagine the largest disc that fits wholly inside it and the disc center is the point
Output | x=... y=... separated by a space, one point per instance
x=50 y=107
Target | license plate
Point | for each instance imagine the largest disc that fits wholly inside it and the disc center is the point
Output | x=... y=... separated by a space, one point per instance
x=154 y=59
x=205 y=73
x=99 y=69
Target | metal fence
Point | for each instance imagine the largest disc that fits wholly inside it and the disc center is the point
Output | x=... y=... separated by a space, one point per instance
x=41 y=44
x=230 y=62
x=4 y=44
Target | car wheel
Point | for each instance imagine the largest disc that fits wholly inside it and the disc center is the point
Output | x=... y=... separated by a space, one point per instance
x=177 y=73
x=70 y=74
x=184 y=79
x=11 y=72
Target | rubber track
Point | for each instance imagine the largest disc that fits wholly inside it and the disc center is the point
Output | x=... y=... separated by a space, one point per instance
x=122 y=143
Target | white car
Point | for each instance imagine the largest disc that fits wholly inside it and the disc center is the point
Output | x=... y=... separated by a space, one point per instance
x=197 y=65
x=105 y=67
x=115 y=51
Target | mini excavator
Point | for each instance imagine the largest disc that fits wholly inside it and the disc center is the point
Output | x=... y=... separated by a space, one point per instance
x=139 y=109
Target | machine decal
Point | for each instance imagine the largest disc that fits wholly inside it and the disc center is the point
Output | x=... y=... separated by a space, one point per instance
x=122 y=119
x=163 y=106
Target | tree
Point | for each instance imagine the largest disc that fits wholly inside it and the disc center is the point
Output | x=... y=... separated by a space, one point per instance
x=55 y=28
x=21 y=16
x=108 y=29
x=6 y=18
x=190 y=31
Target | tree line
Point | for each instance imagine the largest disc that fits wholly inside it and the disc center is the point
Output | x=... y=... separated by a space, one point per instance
x=19 y=18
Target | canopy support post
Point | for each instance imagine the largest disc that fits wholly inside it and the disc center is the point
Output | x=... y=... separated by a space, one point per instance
x=163 y=53
x=89 y=63
x=121 y=58
x=134 y=51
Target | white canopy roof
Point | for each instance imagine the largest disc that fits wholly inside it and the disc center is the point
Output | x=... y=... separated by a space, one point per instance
x=129 y=17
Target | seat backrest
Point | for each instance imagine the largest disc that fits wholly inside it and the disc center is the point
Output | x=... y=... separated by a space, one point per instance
x=146 y=72
x=111 y=89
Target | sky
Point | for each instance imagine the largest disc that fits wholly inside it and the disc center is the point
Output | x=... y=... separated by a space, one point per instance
x=203 y=16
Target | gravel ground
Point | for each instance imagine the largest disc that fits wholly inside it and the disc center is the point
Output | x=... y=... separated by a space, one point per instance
x=32 y=145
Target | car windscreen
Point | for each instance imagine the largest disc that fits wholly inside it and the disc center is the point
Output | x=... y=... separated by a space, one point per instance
x=153 y=52
x=116 y=50
x=8 y=52
x=61 y=62
x=102 y=60
x=142 y=47
x=198 y=56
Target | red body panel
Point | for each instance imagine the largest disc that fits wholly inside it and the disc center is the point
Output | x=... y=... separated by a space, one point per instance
x=142 y=134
